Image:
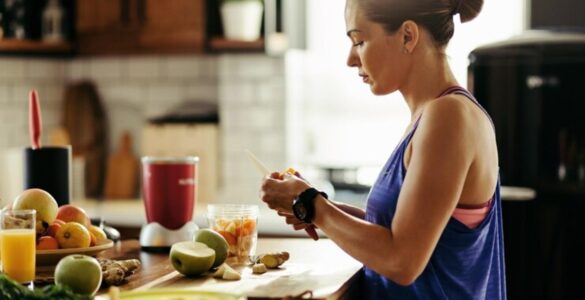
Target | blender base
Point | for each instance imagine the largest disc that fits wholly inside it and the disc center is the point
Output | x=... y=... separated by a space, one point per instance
x=157 y=238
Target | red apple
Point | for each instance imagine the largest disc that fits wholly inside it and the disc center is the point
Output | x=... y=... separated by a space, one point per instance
x=72 y=213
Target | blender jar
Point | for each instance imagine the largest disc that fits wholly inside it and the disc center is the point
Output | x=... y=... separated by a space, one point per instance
x=237 y=223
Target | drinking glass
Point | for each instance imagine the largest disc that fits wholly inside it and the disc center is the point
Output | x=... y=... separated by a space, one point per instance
x=17 y=244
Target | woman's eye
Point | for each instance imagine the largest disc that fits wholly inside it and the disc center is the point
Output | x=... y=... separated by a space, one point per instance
x=358 y=44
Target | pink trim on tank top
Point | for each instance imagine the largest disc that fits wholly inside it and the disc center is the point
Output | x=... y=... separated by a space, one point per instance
x=470 y=215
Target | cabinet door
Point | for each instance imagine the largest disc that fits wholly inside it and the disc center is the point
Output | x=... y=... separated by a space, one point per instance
x=112 y=27
x=106 y=27
x=173 y=26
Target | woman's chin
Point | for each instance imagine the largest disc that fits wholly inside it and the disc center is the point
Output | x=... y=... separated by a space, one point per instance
x=376 y=90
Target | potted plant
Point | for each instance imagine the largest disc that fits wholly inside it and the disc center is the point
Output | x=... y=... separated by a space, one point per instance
x=242 y=19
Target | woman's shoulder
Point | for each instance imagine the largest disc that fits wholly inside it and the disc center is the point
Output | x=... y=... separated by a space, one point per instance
x=451 y=112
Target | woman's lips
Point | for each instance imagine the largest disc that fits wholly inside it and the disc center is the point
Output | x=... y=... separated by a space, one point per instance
x=365 y=79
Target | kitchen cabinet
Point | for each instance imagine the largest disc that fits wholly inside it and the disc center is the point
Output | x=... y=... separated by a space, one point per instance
x=140 y=26
x=32 y=47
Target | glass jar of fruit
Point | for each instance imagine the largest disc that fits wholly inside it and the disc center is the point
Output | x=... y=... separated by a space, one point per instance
x=237 y=223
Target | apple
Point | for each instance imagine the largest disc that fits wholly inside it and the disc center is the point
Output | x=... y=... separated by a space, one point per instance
x=214 y=241
x=81 y=273
x=73 y=213
x=191 y=258
x=41 y=201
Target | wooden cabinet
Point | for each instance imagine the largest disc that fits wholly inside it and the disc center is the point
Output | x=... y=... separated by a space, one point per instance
x=140 y=26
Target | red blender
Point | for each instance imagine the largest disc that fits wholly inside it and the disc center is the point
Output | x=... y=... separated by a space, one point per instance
x=169 y=190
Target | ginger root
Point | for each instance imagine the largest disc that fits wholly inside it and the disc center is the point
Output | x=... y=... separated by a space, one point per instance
x=259 y=268
x=273 y=260
x=226 y=272
x=115 y=272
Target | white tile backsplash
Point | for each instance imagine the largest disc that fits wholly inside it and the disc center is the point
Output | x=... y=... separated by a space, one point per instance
x=5 y=94
x=107 y=69
x=41 y=69
x=146 y=68
x=12 y=69
x=249 y=88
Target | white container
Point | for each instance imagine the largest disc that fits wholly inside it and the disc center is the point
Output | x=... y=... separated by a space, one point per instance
x=242 y=20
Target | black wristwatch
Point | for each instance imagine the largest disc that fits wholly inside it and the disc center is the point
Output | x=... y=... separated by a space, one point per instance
x=304 y=205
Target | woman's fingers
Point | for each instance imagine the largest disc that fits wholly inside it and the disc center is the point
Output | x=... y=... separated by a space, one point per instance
x=285 y=214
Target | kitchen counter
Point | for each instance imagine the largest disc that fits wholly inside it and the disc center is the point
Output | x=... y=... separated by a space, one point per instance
x=131 y=213
x=317 y=266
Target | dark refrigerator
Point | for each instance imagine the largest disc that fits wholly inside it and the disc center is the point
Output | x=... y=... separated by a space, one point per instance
x=533 y=86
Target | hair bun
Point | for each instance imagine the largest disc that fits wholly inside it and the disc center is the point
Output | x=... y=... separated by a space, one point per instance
x=467 y=9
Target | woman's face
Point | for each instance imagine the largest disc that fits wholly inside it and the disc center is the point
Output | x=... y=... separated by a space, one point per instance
x=378 y=56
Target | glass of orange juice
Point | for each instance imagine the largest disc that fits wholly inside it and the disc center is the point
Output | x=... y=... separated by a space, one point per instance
x=17 y=244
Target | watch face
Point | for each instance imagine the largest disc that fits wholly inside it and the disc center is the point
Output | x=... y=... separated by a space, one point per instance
x=300 y=210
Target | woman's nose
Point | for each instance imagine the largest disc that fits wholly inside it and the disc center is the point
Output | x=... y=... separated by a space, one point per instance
x=352 y=59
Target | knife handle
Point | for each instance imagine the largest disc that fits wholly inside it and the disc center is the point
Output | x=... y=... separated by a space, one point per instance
x=312 y=232
x=34 y=118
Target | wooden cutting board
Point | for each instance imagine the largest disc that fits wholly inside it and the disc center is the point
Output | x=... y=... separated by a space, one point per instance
x=325 y=271
x=122 y=171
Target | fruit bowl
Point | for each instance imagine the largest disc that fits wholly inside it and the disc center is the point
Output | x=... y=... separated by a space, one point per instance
x=49 y=258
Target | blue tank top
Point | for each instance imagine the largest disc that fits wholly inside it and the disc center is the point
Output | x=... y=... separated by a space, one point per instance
x=466 y=263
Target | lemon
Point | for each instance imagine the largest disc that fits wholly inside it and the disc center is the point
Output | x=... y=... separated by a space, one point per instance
x=73 y=235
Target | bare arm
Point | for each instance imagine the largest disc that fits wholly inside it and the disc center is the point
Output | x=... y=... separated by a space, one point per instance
x=350 y=209
x=443 y=151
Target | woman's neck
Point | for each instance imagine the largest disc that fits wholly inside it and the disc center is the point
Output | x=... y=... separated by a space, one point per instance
x=430 y=75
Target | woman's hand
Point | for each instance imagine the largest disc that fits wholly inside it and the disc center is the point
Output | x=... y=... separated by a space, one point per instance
x=279 y=191
x=297 y=224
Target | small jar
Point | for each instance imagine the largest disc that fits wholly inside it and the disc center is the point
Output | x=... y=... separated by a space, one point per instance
x=237 y=223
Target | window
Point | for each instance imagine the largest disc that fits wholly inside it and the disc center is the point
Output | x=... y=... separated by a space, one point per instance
x=336 y=121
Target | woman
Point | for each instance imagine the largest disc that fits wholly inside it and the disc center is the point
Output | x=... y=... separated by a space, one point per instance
x=432 y=226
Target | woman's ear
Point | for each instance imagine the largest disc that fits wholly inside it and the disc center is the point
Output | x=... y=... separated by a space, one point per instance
x=410 y=36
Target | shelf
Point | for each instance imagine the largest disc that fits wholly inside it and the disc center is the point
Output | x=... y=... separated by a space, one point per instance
x=30 y=47
x=222 y=44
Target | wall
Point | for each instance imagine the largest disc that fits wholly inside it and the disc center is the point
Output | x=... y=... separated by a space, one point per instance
x=249 y=88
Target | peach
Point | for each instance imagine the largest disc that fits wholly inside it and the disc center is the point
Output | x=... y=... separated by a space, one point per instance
x=72 y=213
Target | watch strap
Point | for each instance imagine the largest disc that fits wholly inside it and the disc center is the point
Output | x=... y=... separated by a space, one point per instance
x=306 y=199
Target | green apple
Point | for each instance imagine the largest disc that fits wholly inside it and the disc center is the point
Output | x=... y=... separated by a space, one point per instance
x=191 y=258
x=81 y=273
x=42 y=202
x=214 y=241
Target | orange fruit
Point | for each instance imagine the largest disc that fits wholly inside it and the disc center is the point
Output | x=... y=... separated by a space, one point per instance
x=73 y=235
x=230 y=238
x=47 y=243
x=92 y=239
x=249 y=227
x=98 y=233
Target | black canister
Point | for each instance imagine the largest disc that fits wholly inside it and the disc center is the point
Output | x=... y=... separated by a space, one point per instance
x=49 y=168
